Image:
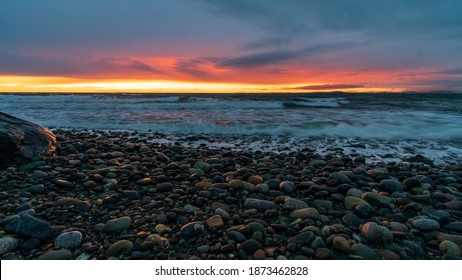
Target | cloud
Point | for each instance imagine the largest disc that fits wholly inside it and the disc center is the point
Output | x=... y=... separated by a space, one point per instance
x=71 y=66
x=259 y=59
x=327 y=87
x=454 y=71
x=193 y=67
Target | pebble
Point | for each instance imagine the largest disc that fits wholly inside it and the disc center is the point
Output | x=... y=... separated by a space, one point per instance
x=259 y=204
x=293 y=204
x=121 y=247
x=193 y=229
x=425 y=224
x=215 y=222
x=306 y=213
x=303 y=238
x=287 y=186
x=61 y=254
x=118 y=225
x=376 y=233
x=236 y=236
x=390 y=186
x=341 y=243
x=7 y=244
x=339 y=178
x=69 y=240
x=64 y=184
x=249 y=246
x=322 y=254
x=364 y=252
x=165 y=187
x=351 y=202
x=449 y=248
x=29 y=226
x=377 y=199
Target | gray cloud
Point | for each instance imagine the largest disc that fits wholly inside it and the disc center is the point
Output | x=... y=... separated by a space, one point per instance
x=192 y=67
x=327 y=87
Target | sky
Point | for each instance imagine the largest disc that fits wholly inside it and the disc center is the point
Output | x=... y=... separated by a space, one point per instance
x=230 y=46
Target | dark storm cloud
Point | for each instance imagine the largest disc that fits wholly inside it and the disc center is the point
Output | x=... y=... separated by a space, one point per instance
x=258 y=59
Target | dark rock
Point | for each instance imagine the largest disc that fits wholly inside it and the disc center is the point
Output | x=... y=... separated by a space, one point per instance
x=62 y=254
x=118 y=225
x=7 y=244
x=390 y=185
x=293 y=204
x=364 y=252
x=22 y=141
x=339 y=178
x=287 y=186
x=250 y=246
x=376 y=233
x=236 y=236
x=64 y=184
x=69 y=240
x=164 y=187
x=425 y=224
x=303 y=238
x=122 y=247
x=454 y=226
x=259 y=204
x=29 y=226
x=192 y=229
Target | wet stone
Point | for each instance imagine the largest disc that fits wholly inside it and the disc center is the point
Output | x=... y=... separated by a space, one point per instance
x=293 y=204
x=306 y=213
x=29 y=226
x=376 y=233
x=122 y=247
x=118 y=225
x=7 y=244
x=425 y=224
x=364 y=252
x=69 y=240
x=259 y=204
x=250 y=246
x=193 y=229
x=449 y=248
x=62 y=254
x=390 y=185
x=340 y=243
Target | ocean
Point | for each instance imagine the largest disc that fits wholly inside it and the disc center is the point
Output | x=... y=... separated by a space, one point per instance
x=430 y=123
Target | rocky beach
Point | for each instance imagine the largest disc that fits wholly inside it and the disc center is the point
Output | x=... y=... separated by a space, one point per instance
x=135 y=195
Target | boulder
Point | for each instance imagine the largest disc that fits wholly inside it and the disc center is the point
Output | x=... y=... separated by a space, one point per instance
x=22 y=141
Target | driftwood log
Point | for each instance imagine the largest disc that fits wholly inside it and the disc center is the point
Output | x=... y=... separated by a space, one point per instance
x=22 y=141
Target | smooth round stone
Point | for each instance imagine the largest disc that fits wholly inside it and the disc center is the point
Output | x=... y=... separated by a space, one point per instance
x=454 y=226
x=317 y=242
x=340 y=243
x=122 y=247
x=293 y=204
x=388 y=255
x=36 y=189
x=255 y=179
x=351 y=220
x=303 y=238
x=322 y=254
x=7 y=244
x=259 y=204
x=161 y=228
x=364 y=252
x=377 y=199
x=322 y=203
x=69 y=240
x=203 y=166
x=259 y=255
x=203 y=249
x=250 y=246
x=340 y=178
x=223 y=214
x=29 y=226
x=306 y=213
x=144 y=182
x=390 y=186
x=236 y=184
x=62 y=254
x=365 y=210
x=118 y=224
x=192 y=229
x=64 y=184
x=215 y=222
x=82 y=206
x=449 y=248
x=395 y=226
x=236 y=236
x=287 y=187
x=376 y=233
x=351 y=202
x=425 y=224
x=164 y=187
